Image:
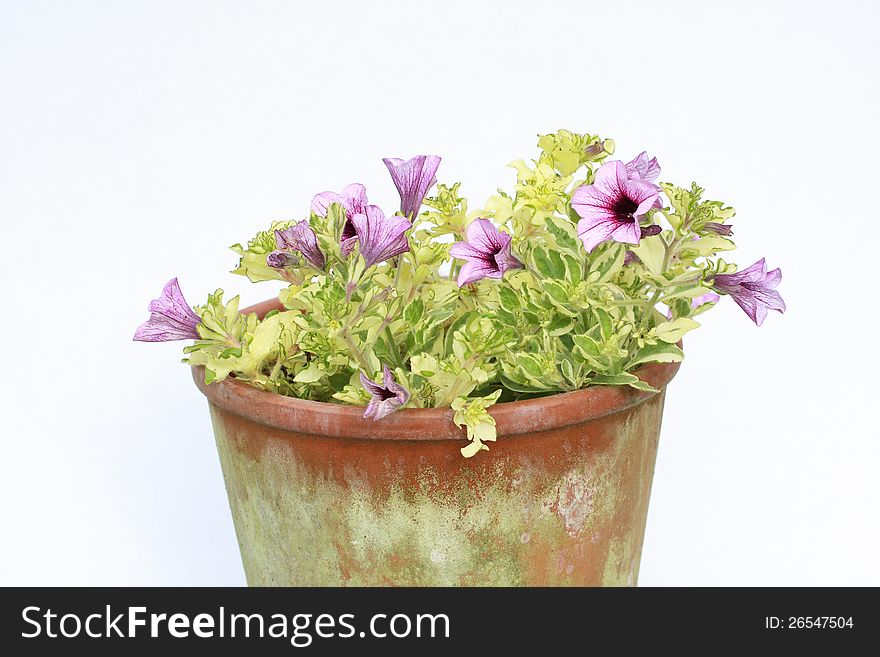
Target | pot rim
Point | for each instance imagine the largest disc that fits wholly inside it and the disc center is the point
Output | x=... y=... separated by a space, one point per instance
x=344 y=421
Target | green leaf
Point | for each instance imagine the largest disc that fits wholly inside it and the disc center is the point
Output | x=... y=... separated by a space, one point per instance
x=557 y=292
x=591 y=352
x=567 y=370
x=651 y=251
x=573 y=269
x=709 y=245
x=450 y=332
x=548 y=264
x=310 y=374
x=608 y=262
x=564 y=232
x=656 y=353
x=338 y=381
x=473 y=414
x=560 y=325
x=606 y=325
x=642 y=385
x=530 y=365
x=518 y=386
x=441 y=314
x=508 y=299
x=623 y=379
x=413 y=312
x=557 y=264
x=673 y=331
x=266 y=338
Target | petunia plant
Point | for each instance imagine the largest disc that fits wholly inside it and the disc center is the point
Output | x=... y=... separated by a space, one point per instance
x=586 y=270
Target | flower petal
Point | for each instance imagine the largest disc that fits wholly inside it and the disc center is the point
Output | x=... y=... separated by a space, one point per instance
x=413 y=178
x=595 y=230
x=485 y=237
x=171 y=318
x=321 y=202
x=753 y=289
x=709 y=297
x=641 y=167
x=380 y=237
x=610 y=178
x=385 y=398
x=370 y=386
x=506 y=260
x=300 y=237
x=474 y=270
x=627 y=233
x=354 y=198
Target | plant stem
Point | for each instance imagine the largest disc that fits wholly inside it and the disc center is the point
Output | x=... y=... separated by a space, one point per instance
x=355 y=350
x=649 y=309
x=392 y=346
x=459 y=380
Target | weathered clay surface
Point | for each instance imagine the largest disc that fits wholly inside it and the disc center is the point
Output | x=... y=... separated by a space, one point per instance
x=320 y=496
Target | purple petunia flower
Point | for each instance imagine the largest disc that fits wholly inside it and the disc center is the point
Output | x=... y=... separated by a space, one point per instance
x=413 y=178
x=171 y=318
x=612 y=206
x=386 y=398
x=641 y=168
x=353 y=200
x=380 y=237
x=300 y=238
x=753 y=289
x=487 y=252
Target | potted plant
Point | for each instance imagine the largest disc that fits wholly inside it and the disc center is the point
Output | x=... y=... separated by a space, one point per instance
x=353 y=414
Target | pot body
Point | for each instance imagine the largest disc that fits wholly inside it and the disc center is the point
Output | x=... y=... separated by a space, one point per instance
x=322 y=497
x=560 y=507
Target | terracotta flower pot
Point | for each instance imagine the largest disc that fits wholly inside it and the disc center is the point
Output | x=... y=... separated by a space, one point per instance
x=321 y=496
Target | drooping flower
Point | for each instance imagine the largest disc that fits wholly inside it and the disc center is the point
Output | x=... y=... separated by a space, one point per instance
x=718 y=228
x=413 y=178
x=353 y=200
x=487 y=252
x=386 y=398
x=380 y=237
x=612 y=206
x=171 y=318
x=298 y=238
x=753 y=289
x=641 y=168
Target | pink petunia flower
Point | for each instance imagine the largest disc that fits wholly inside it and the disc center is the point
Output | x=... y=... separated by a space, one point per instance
x=612 y=206
x=487 y=252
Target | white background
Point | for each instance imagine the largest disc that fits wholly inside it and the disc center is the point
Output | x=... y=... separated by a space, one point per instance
x=138 y=140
